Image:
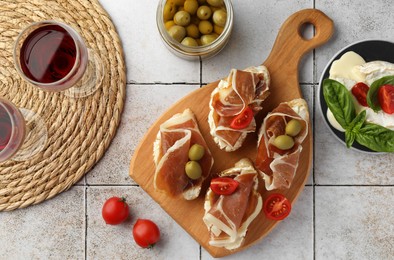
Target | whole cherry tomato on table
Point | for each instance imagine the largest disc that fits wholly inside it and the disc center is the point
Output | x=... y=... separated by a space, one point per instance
x=386 y=98
x=276 y=207
x=146 y=233
x=115 y=210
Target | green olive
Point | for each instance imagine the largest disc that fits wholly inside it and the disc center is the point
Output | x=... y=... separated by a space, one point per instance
x=189 y=41
x=177 y=32
x=205 y=27
x=191 y=6
x=204 y=12
x=177 y=2
x=218 y=29
x=215 y=3
x=196 y=152
x=293 y=127
x=193 y=170
x=169 y=24
x=220 y=17
x=169 y=11
x=208 y=38
x=284 y=142
x=182 y=18
x=192 y=31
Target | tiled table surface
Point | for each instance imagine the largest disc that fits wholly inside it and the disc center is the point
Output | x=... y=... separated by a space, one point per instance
x=344 y=212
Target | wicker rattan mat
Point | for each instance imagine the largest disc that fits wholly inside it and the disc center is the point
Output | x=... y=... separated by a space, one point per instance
x=79 y=130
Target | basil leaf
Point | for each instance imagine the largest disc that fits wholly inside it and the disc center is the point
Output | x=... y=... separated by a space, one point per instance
x=376 y=137
x=339 y=101
x=354 y=128
x=372 y=96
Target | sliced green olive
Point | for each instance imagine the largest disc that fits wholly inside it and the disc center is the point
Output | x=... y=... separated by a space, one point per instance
x=193 y=170
x=182 y=18
x=177 y=32
x=191 y=6
x=208 y=38
x=215 y=3
x=284 y=142
x=293 y=127
x=205 y=27
x=196 y=152
x=204 y=12
x=220 y=17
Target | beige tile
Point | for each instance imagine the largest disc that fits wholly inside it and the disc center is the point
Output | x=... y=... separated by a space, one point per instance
x=116 y=242
x=354 y=223
x=144 y=104
x=54 y=229
x=291 y=239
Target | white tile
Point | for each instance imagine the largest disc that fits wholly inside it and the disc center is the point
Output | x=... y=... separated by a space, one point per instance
x=143 y=105
x=54 y=229
x=116 y=242
x=291 y=239
x=354 y=21
x=256 y=26
x=147 y=59
x=354 y=223
x=307 y=93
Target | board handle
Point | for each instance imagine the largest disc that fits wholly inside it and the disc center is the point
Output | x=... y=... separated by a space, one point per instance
x=290 y=45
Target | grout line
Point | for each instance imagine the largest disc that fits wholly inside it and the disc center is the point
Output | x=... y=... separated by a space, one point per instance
x=354 y=185
x=200 y=71
x=112 y=185
x=200 y=83
x=86 y=221
x=313 y=146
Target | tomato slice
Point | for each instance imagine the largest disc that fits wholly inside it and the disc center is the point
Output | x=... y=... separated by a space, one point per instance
x=277 y=207
x=360 y=91
x=224 y=185
x=386 y=98
x=242 y=120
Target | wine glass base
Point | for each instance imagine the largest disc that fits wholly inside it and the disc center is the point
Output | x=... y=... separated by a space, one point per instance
x=91 y=80
x=36 y=136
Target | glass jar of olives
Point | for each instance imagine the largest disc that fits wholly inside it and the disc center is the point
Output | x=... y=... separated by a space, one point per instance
x=195 y=29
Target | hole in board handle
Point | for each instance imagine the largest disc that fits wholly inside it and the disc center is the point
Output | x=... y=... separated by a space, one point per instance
x=307 y=31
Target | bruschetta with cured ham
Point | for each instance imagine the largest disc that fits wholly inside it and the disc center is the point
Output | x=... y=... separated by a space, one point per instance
x=171 y=154
x=280 y=143
x=229 y=216
x=233 y=104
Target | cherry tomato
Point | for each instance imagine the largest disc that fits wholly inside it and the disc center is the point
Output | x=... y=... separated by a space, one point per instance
x=277 y=207
x=115 y=210
x=224 y=185
x=242 y=120
x=386 y=98
x=360 y=91
x=146 y=233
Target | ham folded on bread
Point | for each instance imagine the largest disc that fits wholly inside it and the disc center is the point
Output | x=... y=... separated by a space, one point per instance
x=170 y=152
x=241 y=89
x=278 y=167
x=229 y=216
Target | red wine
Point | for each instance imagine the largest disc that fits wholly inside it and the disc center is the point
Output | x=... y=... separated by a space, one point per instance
x=5 y=128
x=48 y=54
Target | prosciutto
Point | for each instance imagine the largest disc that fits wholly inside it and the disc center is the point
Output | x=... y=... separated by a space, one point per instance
x=242 y=88
x=228 y=217
x=170 y=152
x=278 y=167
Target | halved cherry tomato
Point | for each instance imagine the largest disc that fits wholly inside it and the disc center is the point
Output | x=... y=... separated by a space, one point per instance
x=242 y=120
x=360 y=91
x=277 y=207
x=224 y=185
x=386 y=98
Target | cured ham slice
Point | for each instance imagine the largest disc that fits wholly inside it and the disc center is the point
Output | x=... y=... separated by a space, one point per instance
x=241 y=89
x=170 y=152
x=229 y=216
x=276 y=166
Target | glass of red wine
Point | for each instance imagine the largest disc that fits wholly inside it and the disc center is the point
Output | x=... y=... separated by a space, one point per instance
x=22 y=132
x=53 y=56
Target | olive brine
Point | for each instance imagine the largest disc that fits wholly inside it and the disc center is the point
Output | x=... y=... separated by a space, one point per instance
x=195 y=22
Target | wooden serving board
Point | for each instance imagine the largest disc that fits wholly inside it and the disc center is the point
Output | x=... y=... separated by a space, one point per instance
x=282 y=64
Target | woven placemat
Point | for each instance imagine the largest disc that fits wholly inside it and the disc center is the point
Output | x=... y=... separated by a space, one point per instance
x=79 y=130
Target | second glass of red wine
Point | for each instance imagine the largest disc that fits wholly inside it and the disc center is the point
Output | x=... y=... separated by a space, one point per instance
x=53 y=56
